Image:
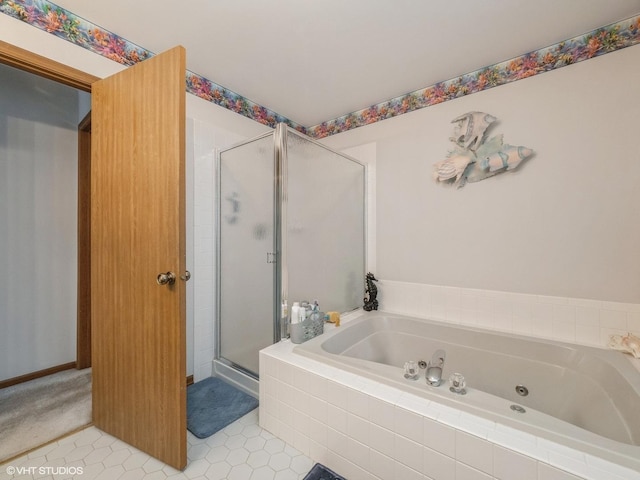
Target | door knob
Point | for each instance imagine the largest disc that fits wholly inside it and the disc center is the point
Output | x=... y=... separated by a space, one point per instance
x=168 y=278
x=186 y=276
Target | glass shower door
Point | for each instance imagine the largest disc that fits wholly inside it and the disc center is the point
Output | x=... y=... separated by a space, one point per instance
x=247 y=260
x=325 y=226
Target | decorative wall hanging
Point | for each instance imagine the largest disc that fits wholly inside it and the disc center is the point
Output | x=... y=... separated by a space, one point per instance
x=474 y=157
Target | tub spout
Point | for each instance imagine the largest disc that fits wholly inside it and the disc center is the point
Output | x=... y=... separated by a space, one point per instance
x=435 y=367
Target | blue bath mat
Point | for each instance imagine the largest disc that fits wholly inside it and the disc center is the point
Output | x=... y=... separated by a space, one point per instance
x=320 y=472
x=213 y=404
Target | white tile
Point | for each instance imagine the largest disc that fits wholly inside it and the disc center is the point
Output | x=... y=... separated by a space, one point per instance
x=405 y=473
x=357 y=453
x=474 y=451
x=337 y=418
x=439 y=437
x=564 y=313
x=336 y=441
x=382 y=466
x=414 y=404
x=301 y=379
x=588 y=315
x=633 y=322
x=606 y=332
x=358 y=403
x=358 y=428
x=465 y=472
x=381 y=412
x=285 y=373
x=381 y=439
x=616 y=319
x=571 y=464
x=318 y=387
x=564 y=331
x=337 y=394
x=588 y=334
x=317 y=432
x=408 y=424
x=280 y=461
x=317 y=408
x=508 y=465
x=547 y=472
x=300 y=421
x=318 y=452
x=437 y=466
x=611 y=468
x=408 y=452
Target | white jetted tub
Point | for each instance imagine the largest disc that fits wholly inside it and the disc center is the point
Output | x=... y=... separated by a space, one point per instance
x=585 y=398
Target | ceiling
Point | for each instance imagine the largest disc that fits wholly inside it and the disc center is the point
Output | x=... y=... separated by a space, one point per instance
x=313 y=61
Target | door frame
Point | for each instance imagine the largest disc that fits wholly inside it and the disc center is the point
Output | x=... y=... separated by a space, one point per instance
x=36 y=64
x=83 y=334
x=44 y=67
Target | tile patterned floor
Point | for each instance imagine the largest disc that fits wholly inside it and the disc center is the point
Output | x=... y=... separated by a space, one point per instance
x=241 y=451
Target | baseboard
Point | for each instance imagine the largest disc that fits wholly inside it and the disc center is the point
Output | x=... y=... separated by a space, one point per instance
x=40 y=373
x=189 y=380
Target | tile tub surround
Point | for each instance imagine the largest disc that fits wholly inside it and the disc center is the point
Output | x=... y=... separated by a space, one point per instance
x=366 y=430
x=571 y=320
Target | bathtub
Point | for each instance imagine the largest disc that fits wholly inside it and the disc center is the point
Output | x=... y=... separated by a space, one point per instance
x=582 y=398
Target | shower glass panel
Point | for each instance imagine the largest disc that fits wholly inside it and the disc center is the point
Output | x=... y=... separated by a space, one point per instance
x=290 y=227
x=325 y=234
x=246 y=260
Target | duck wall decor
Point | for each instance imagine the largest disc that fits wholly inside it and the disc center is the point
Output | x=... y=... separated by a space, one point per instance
x=474 y=156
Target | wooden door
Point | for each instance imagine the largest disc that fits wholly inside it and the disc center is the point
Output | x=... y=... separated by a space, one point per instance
x=138 y=232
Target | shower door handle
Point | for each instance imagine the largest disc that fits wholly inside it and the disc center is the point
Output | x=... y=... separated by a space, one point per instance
x=168 y=278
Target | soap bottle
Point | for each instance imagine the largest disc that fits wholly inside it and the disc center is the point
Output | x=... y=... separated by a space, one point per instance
x=295 y=312
x=304 y=306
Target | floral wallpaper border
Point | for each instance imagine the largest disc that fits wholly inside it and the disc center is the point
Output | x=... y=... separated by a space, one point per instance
x=63 y=24
x=583 y=47
x=53 y=19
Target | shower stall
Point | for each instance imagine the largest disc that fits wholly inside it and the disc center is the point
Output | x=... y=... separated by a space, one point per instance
x=290 y=227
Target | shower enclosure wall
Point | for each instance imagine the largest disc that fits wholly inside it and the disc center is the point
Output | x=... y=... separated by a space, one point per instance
x=290 y=227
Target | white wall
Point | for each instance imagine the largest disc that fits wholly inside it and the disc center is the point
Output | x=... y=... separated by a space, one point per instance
x=208 y=127
x=38 y=214
x=565 y=224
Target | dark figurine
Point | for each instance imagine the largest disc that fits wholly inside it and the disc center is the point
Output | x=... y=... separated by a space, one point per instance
x=372 y=302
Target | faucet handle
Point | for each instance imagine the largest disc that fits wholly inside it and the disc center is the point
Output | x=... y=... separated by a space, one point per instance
x=457 y=384
x=411 y=370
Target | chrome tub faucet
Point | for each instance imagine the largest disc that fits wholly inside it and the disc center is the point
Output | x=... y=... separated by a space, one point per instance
x=435 y=367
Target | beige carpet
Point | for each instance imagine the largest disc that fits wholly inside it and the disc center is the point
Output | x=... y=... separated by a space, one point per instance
x=41 y=410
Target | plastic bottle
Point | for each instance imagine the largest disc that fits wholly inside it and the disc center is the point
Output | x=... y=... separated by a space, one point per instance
x=295 y=313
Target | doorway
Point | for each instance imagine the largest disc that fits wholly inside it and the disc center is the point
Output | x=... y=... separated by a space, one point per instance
x=39 y=171
x=46 y=386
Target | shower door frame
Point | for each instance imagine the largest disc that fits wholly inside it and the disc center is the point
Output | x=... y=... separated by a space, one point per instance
x=225 y=367
x=222 y=366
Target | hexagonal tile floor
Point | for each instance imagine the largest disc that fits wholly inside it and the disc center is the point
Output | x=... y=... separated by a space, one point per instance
x=241 y=451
